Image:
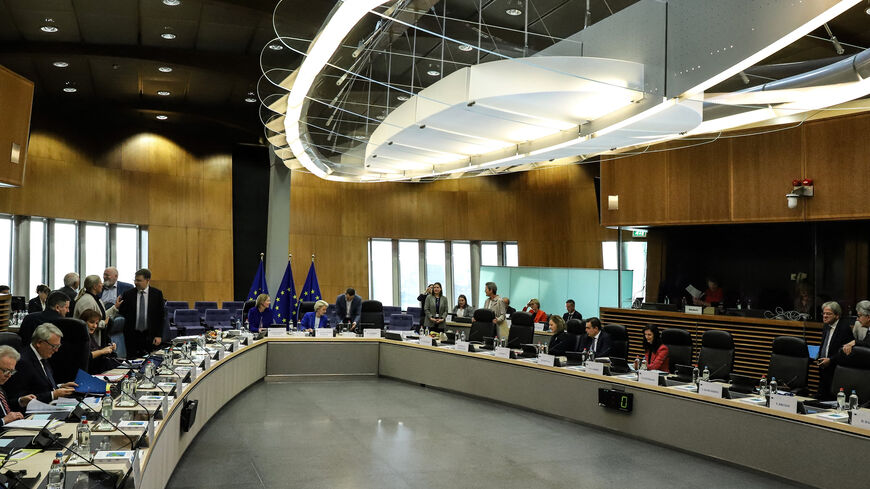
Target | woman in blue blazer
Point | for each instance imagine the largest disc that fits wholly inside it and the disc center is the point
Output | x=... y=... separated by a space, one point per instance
x=260 y=316
x=317 y=318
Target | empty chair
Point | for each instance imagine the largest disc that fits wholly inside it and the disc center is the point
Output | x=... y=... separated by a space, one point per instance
x=679 y=343
x=854 y=374
x=172 y=306
x=11 y=339
x=482 y=325
x=717 y=354
x=388 y=314
x=169 y=331
x=187 y=322
x=372 y=314
x=218 y=319
x=235 y=308
x=618 y=340
x=247 y=307
x=202 y=306
x=401 y=322
x=74 y=353
x=416 y=313
x=521 y=318
x=330 y=312
x=520 y=335
x=789 y=363
x=575 y=329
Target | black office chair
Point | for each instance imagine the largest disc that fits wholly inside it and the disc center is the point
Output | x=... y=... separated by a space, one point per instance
x=11 y=339
x=679 y=343
x=519 y=335
x=307 y=306
x=618 y=340
x=790 y=364
x=482 y=325
x=854 y=374
x=74 y=352
x=372 y=314
x=520 y=318
x=576 y=329
x=247 y=307
x=717 y=354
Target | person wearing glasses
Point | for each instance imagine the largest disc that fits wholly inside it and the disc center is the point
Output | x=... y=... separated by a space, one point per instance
x=34 y=371
x=859 y=330
x=9 y=411
x=835 y=334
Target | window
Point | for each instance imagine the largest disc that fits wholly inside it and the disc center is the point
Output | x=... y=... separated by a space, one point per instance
x=6 y=250
x=511 y=255
x=633 y=258
x=460 y=255
x=489 y=254
x=126 y=238
x=381 y=270
x=435 y=264
x=63 y=253
x=409 y=273
x=96 y=247
x=37 y=255
x=143 y=248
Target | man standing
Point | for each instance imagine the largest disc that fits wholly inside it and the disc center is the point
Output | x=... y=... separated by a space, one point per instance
x=56 y=306
x=143 y=310
x=496 y=305
x=112 y=290
x=596 y=341
x=71 y=289
x=835 y=334
x=572 y=312
x=348 y=308
x=9 y=411
x=35 y=373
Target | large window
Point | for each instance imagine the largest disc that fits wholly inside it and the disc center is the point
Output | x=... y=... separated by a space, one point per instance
x=435 y=263
x=63 y=252
x=460 y=256
x=126 y=251
x=381 y=270
x=409 y=273
x=511 y=255
x=489 y=254
x=37 y=255
x=96 y=249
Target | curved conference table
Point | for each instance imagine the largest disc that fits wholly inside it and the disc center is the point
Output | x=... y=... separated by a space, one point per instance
x=801 y=448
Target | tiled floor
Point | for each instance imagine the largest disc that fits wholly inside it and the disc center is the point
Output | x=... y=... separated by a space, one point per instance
x=387 y=434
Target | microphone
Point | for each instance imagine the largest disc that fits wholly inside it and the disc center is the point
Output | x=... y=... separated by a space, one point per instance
x=55 y=440
x=13 y=478
x=787 y=385
x=133 y=443
x=717 y=371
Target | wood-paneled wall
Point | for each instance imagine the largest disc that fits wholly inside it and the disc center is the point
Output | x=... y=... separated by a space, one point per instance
x=745 y=179
x=181 y=192
x=16 y=101
x=551 y=213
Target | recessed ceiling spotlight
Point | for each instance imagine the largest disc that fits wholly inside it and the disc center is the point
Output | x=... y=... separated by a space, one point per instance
x=161 y=117
x=168 y=35
x=514 y=8
x=172 y=3
x=165 y=69
x=433 y=72
x=48 y=28
x=250 y=99
x=163 y=93
x=69 y=87
x=276 y=47
x=60 y=64
x=402 y=98
x=465 y=47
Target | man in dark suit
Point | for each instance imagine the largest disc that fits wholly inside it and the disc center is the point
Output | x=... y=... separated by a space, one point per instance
x=9 y=409
x=836 y=333
x=572 y=312
x=348 y=308
x=143 y=310
x=56 y=306
x=70 y=288
x=37 y=304
x=596 y=340
x=34 y=371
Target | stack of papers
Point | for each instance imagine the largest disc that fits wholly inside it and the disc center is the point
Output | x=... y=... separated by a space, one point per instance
x=36 y=406
x=36 y=423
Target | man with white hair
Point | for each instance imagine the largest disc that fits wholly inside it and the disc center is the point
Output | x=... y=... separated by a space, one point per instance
x=113 y=289
x=70 y=289
x=35 y=373
x=8 y=358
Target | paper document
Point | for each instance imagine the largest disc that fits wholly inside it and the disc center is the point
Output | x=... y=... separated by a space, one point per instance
x=36 y=406
x=28 y=424
x=693 y=291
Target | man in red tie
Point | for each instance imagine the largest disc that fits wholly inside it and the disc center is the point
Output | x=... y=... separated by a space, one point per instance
x=8 y=358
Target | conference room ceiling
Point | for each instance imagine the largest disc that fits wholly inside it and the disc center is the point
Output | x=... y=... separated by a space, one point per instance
x=114 y=50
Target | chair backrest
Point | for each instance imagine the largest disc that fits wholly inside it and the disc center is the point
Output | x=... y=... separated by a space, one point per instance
x=248 y=305
x=186 y=317
x=618 y=340
x=172 y=306
x=520 y=335
x=417 y=312
x=521 y=318
x=401 y=322
x=307 y=306
x=679 y=343
x=11 y=339
x=372 y=312
x=854 y=375
x=390 y=310
x=235 y=308
x=217 y=317
x=483 y=315
x=74 y=353
x=717 y=353
x=481 y=329
x=789 y=362
x=576 y=329
x=202 y=306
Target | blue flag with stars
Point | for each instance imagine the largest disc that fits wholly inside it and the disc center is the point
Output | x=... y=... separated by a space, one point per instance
x=259 y=285
x=286 y=302
x=311 y=289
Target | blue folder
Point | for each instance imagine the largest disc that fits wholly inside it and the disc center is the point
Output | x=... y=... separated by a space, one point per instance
x=88 y=384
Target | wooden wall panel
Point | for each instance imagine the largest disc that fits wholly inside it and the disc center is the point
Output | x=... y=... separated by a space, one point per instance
x=699 y=183
x=642 y=186
x=551 y=213
x=16 y=100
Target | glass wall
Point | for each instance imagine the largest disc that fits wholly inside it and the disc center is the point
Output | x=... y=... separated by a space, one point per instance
x=126 y=251
x=381 y=270
x=409 y=273
x=436 y=263
x=63 y=253
x=97 y=248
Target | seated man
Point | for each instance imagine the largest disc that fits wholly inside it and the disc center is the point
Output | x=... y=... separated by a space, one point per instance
x=348 y=308
x=56 y=306
x=572 y=313
x=596 y=340
x=34 y=372
x=508 y=310
x=9 y=411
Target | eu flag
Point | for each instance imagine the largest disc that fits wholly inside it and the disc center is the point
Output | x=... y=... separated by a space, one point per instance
x=286 y=302
x=311 y=289
x=259 y=285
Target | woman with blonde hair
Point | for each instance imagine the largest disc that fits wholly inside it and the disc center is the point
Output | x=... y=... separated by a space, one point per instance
x=260 y=316
x=534 y=308
x=316 y=318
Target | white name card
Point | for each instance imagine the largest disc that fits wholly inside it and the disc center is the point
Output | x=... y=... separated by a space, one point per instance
x=222 y=352
x=371 y=333
x=502 y=352
x=178 y=387
x=786 y=404
x=710 y=389
x=206 y=362
x=323 y=333
x=273 y=332
x=861 y=418
x=235 y=346
x=596 y=368
x=449 y=318
x=165 y=407
x=694 y=310
x=461 y=346
x=151 y=428
x=547 y=360
x=539 y=326
x=425 y=340
x=648 y=377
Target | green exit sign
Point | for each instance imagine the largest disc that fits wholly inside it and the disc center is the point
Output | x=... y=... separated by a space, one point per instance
x=639 y=233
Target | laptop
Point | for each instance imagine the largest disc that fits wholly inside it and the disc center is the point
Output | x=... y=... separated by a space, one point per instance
x=743 y=383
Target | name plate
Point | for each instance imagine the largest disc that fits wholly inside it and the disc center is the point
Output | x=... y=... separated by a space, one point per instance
x=596 y=368
x=206 y=362
x=235 y=346
x=178 y=387
x=539 y=326
x=151 y=428
x=694 y=310
x=273 y=332
x=861 y=418
x=502 y=352
x=165 y=407
x=461 y=346
x=710 y=389
x=323 y=333
x=648 y=377
x=425 y=340
x=786 y=404
x=547 y=360
x=221 y=352
x=298 y=334
x=371 y=333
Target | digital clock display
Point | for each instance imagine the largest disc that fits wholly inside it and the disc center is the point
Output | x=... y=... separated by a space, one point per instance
x=620 y=401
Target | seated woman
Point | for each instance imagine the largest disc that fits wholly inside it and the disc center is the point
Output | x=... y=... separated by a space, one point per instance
x=37 y=304
x=860 y=329
x=316 y=318
x=534 y=308
x=655 y=352
x=462 y=308
x=712 y=296
x=101 y=354
x=435 y=310
x=260 y=316
x=561 y=341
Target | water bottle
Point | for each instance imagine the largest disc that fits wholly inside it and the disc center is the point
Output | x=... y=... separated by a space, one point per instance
x=706 y=375
x=643 y=365
x=853 y=401
x=546 y=348
x=495 y=343
x=739 y=305
x=762 y=386
x=695 y=375
x=773 y=386
x=149 y=370
x=462 y=336
x=106 y=410
x=841 y=400
x=55 y=475
x=83 y=437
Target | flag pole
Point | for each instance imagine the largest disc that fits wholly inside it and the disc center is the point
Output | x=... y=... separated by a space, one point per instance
x=312 y=258
x=261 y=256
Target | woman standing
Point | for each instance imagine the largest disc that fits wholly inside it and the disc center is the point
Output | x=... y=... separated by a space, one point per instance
x=87 y=300
x=435 y=309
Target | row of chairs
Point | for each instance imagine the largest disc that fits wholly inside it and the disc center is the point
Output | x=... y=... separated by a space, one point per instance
x=235 y=307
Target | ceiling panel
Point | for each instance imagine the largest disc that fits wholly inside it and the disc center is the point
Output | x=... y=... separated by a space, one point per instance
x=8 y=31
x=115 y=79
x=29 y=22
x=104 y=22
x=208 y=89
